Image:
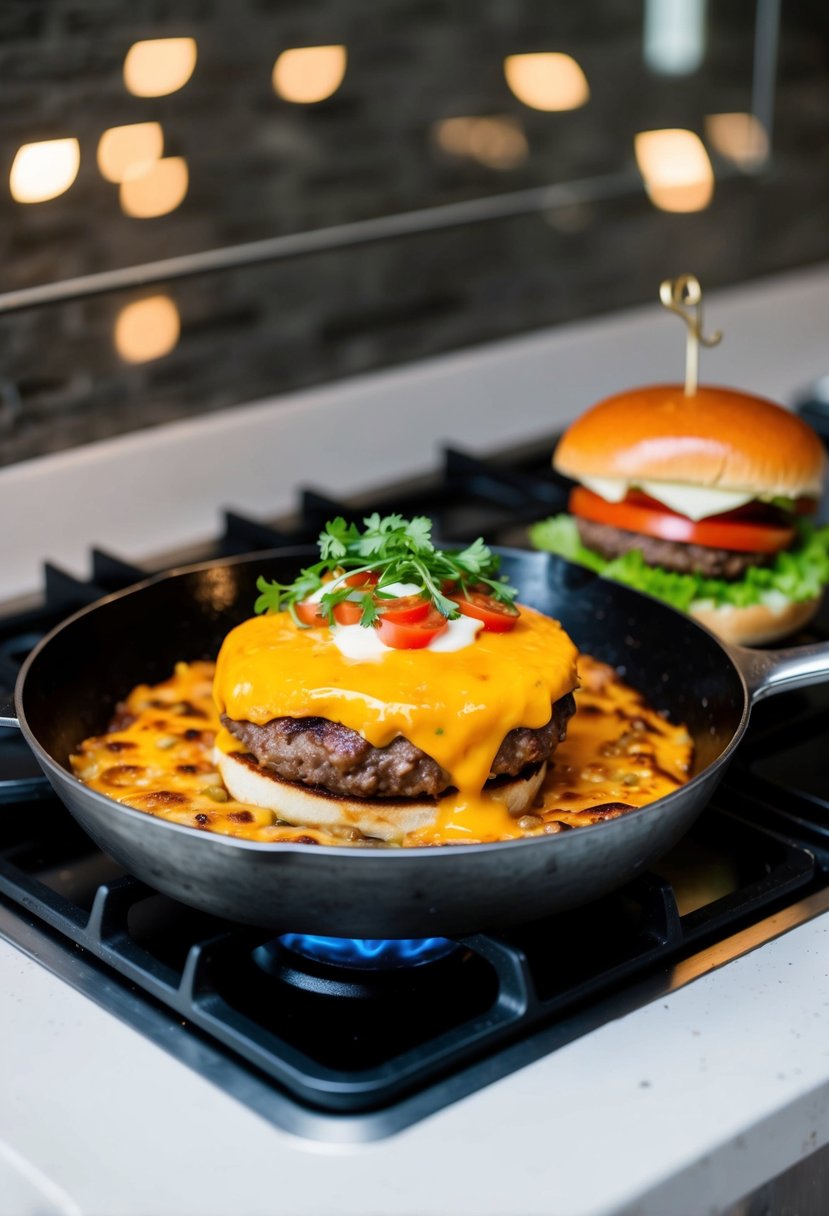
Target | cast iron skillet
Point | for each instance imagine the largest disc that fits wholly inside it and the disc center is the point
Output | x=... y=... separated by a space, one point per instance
x=70 y=683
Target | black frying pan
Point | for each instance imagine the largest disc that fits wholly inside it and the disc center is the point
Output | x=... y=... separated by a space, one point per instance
x=70 y=683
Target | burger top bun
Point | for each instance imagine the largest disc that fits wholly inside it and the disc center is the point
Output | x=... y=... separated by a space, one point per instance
x=718 y=437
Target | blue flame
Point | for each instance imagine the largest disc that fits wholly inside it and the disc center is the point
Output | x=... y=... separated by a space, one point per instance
x=370 y=953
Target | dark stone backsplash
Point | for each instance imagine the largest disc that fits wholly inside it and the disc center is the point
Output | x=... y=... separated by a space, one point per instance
x=260 y=167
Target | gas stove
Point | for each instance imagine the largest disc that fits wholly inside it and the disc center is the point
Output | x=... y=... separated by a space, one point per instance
x=343 y=1040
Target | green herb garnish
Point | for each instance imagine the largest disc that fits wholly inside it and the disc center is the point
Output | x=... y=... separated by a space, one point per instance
x=392 y=550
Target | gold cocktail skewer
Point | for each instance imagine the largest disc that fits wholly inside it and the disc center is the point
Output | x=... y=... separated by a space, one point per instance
x=683 y=296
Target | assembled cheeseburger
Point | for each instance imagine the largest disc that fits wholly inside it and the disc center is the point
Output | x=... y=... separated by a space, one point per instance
x=393 y=688
x=705 y=501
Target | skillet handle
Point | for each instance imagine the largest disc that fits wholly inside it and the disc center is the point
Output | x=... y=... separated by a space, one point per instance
x=767 y=672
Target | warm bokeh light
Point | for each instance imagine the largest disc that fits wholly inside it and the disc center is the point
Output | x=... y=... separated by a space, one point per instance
x=147 y=329
x=498 y=143
x=675 y=168
x=740 y=138
x=125 y=152
x=44 y=170
x=157 y=191
x=547 y=80
x=159 y=66
x=306 y=74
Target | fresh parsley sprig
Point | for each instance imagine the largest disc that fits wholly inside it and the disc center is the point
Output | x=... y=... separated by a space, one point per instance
x=392 y=550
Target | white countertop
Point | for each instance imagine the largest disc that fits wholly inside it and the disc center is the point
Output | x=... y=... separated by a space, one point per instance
x=680 y=1108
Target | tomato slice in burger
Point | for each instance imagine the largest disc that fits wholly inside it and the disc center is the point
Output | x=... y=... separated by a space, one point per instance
x=733 y=530
x=412 y=635
x=404 y=610
x=497 y=616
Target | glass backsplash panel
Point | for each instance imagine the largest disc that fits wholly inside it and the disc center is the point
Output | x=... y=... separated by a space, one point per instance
x=422 y=175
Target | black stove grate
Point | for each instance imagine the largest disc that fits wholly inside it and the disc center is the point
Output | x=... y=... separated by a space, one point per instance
x=395 y=1052
x=380 y=1048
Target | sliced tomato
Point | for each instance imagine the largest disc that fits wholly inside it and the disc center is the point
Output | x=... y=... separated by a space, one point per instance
x=310 y=613
x=741 y=530
x=413 y=635
x=348 y=612
x=404 y=610
x=365 y=579
x=497 y=616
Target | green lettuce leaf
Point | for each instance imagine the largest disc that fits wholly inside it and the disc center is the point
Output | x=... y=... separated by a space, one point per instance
x=799 y=573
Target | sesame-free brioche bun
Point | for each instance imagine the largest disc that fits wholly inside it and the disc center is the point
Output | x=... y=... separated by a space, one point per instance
x=757 y=624
x=388 y=819
x=718 y=438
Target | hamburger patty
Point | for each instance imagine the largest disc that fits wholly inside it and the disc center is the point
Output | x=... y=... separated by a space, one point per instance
x=316 y=751
x=673 y=555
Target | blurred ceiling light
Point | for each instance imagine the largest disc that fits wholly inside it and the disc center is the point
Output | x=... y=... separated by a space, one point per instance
x=740 y=138
x=498 y=143
x=159 y=66
x=674 y=36
x=125 y=152
x=306 y=74
x=547 y=81
x=675 y=168
x=44 y=170
x=159 y=190
x=147 y=329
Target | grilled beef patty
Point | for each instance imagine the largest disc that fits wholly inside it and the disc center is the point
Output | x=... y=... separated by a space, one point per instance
x=672 y=555
x=316 y=751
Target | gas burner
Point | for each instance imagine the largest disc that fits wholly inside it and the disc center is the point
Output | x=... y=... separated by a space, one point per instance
x=371 y=954
x=359 y=968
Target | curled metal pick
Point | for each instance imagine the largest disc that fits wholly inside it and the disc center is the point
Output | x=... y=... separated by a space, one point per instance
x=683 y=296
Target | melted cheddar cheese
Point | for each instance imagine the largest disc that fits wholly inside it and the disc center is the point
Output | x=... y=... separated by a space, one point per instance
x=157 y=757
x=455 y=707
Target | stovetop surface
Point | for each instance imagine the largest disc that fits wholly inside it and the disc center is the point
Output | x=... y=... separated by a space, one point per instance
x=378 y=1052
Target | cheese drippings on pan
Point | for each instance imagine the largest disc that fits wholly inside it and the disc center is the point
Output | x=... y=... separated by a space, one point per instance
x=619 y=754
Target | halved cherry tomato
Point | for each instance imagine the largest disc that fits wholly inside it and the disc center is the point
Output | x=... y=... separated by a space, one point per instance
x=348 y=612
x=412 y=636
x=497 y=616
x=639 y=513
x=404 y=610
x=310 y=613
x=363 y=578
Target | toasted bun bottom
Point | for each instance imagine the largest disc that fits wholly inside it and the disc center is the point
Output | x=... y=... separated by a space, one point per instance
x=384 y=818
x=757 y=624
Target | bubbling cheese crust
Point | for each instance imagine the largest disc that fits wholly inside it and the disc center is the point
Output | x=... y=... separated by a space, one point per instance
x=158 y=758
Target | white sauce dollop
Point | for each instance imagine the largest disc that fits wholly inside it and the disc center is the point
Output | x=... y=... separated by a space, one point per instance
x=396 y=589
x=355 y=642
